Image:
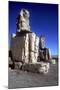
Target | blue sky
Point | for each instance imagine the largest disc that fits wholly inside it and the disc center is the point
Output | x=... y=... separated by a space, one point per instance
x=43 y=20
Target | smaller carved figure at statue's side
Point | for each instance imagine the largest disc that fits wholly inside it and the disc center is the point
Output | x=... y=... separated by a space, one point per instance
x=44 y=54
x=23 y=21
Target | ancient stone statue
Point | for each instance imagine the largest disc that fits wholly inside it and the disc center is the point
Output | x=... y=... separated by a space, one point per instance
x=44 y=53
x=23 y=21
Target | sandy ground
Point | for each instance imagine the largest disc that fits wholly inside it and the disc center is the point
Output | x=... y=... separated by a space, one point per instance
x=23 y=79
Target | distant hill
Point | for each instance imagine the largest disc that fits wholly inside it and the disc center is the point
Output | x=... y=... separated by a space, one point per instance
x=55 y=57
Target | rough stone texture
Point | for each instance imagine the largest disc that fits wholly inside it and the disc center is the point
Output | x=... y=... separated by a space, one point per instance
x=36 y=47
x=23 y=21
x=25 y=47
x=40 y=67
x=33 y=46
x=19 y=47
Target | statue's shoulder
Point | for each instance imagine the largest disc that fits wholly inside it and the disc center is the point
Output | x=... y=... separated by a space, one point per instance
x=46 y=49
